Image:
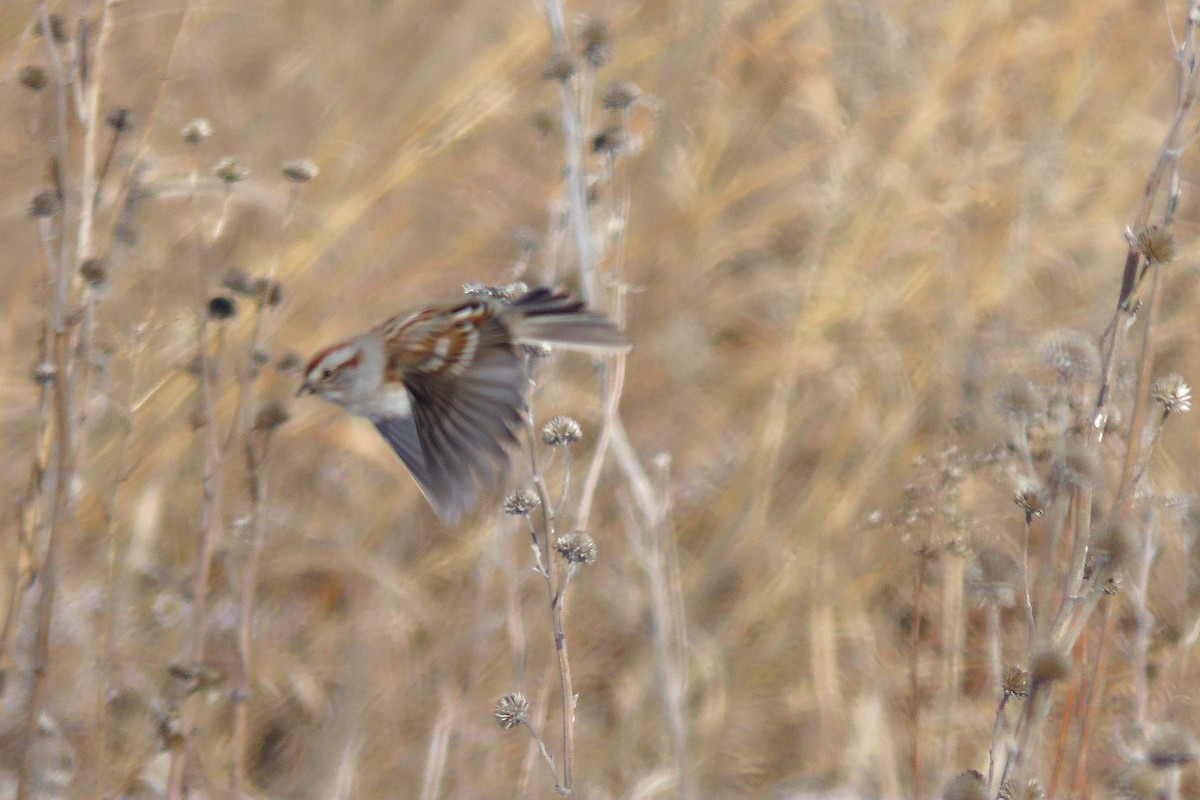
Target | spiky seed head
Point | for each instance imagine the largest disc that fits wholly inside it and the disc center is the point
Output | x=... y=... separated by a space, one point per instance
x=120 y=119
x=301 y=170
x=1072 y=354
x=966 y=785
x=595 y=42
x=1080 y=466
x=1031 y=498
x=1020 y=401
x=506 y=293
x=1171 y=747
x=560 y=68
x=1157 y=244
x=44 y=372
x=33 y=77
x=95 y=272
x=620 y=95
x=1014 y=681
x=511 y=710
x=221 y=307
x=1173 y=393
x=521 y=503
x=44 y=204
x=1113 y=545
x=229 y=171
x=1048 y=666
x=561 y=430
x=577 y=548
x=196 y=131
x=271 y=416
x=1032 y=790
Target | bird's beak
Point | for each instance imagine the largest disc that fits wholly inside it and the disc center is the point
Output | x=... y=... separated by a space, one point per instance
x=304 y=389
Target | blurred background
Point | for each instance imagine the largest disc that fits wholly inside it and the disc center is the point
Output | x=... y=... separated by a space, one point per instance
x=849 y=223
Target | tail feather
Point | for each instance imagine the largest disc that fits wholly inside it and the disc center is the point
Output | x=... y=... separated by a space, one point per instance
x=557 y=318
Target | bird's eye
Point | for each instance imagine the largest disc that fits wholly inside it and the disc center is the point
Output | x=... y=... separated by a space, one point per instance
x=326 y=373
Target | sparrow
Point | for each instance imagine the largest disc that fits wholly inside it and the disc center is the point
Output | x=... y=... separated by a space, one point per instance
x=445 y=384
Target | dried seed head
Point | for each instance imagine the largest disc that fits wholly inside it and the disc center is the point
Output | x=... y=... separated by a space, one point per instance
x=1112 y=546
x=511 y=710
x=1072 y=354
x=535 y=351
x=1157 y=245
x=561 y=430
x=237 y=281
x=221 y=307
x=577 y=547
x=521 y=503
x=58 y=29
x=268 y=291
x=44 y=372
x=506 y=293
x=1080 y=466
x=544 y=122
x=560 y=67
x=271 y=416
x=1014 y=681
x=966 y=785
x=620 y=95
x=44 y=204
x=595 y=42
x=1031 y=498
x=1020 y=401
x=288 y=363
x=1174 y=394
x=301 y=170
x=1032 y=790
x=120 y=119
x=95 y=272
x=196 y=131
x=611 y=141
x=33 y=77
x=1048 y=666
x=260 y=356
x=1171 y=747
x=230 y=172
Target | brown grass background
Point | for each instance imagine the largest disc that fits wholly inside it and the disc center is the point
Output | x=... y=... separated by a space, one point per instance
x=850 y=221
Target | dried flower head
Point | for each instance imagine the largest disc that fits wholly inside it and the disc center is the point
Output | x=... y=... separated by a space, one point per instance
x=1112 y=545
x=560 y=67
x=1072 y=354
x=1014 y=681
x=1032 y=790
x=1174 y=394
x=620 y=95
x=610 y=142
x=595 y=42
x=196 y=131
x=95 y=272
x=44 y=204
x=966 y=785
x=301 y=170
x=58 y=29
x=1171 y=747
x=1080 y=465
x=1020 y=401
x=535 y=351
x=1048 y=666
x=521 y=503
x=1157 y=244
x=33 y=77
x=507 y=293
x=561 y=430
x=577 y=547
x=221 y=307
x=511 y=710
x=271 y=416
x=44 y=372
x=237 y=281
x=289 y=363
x=229 y=171
x=544 y=122
x=268 y=291
x=120 y=119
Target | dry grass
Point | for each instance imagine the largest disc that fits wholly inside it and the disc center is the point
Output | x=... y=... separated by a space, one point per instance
x=851 y=222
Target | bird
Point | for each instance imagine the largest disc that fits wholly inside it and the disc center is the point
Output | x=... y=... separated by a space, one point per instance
x=445 y=384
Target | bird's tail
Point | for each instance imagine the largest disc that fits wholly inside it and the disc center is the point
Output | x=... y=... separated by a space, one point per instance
x=557 y=318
